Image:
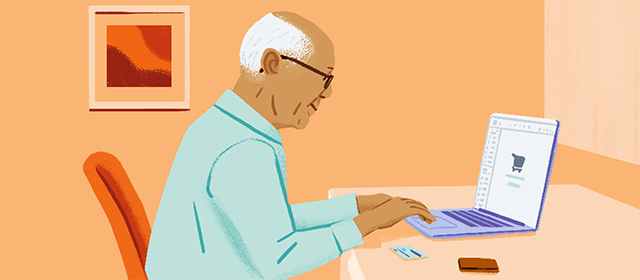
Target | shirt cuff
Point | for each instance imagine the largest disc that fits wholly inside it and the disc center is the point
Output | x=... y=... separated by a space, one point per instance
x=350 y=205
x=347 y=235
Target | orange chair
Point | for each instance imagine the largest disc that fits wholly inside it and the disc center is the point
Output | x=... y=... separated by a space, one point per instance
x=124 y=209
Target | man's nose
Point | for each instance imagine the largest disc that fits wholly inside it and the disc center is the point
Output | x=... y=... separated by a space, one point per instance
x=327 y=92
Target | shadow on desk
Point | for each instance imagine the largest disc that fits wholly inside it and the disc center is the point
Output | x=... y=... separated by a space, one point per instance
x=400 y=230
x=487 y=237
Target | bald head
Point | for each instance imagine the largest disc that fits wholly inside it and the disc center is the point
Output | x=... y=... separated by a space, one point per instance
x=303 y=24
x=288 y=33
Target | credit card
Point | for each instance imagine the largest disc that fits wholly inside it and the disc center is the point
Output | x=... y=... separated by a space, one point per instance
x=408 y=252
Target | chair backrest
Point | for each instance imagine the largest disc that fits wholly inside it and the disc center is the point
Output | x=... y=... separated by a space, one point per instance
x=123 y=208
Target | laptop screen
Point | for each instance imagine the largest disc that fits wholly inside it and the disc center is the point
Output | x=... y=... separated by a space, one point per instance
x=516 y=164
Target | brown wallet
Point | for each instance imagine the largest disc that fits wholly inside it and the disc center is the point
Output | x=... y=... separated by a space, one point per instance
x=478 y=265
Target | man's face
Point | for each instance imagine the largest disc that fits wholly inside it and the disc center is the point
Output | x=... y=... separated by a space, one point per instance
x=299 y=90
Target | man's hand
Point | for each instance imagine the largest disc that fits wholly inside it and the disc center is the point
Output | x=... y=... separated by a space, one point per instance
x=399 y=208
x=368 y=202
x=390 y=213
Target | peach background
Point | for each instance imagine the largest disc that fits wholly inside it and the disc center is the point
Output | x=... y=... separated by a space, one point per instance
x=415 y=85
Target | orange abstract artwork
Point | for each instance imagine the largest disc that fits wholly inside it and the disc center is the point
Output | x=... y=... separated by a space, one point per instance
x=138 y=56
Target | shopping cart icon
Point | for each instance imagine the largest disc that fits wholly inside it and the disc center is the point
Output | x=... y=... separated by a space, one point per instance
x=518 y=162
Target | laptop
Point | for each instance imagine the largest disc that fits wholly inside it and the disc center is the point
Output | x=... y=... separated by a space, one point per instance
x=512 y=185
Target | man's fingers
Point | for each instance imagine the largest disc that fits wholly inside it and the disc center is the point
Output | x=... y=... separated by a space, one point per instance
x=423 y=212
x=417 y=202
x=422 y=206
x=419 y=207
x=424 y=219
x=427 y=220
x=409 y=200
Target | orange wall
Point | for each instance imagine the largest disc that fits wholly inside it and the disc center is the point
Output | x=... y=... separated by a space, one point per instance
x=415 y=85
x=611 y=177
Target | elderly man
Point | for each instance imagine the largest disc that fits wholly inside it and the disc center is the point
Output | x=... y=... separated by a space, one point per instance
x=224 y=212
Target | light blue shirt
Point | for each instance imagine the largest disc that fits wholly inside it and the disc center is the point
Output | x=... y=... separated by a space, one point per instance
x=224 y=213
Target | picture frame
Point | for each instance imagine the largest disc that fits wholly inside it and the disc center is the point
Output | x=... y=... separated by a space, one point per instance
x=139 y=57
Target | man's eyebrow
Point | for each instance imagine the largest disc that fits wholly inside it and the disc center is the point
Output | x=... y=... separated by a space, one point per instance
x=330 y=68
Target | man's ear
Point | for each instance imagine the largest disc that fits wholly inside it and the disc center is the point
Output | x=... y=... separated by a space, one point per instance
x=270 y=62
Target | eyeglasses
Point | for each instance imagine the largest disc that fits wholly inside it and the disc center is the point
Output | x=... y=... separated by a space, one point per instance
x=326 y=78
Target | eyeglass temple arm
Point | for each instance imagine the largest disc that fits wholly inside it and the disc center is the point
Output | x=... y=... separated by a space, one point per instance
x=305 y=65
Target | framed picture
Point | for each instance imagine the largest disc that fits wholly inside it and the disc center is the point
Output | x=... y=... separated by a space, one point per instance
x=139 y=57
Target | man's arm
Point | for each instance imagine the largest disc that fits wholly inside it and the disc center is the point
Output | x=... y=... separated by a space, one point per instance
x=333 y=210
x=247 y=194
x=346 y=207
x=324 y=212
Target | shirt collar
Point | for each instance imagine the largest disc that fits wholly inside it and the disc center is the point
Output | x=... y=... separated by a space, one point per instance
x=233 y=106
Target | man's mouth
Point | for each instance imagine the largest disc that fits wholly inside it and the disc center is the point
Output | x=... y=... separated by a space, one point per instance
x=313 y=106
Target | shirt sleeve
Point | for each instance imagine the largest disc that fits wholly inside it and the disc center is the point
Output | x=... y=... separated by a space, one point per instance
x=321 y=213
x=248 y=195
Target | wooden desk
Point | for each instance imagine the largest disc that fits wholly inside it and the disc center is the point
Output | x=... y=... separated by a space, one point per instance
x=582 y=235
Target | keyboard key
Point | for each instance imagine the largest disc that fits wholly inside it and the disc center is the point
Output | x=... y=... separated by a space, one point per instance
x=483 y=219
x=458 y=218
x=489 y=218
x=501 y=217
x=461 y=213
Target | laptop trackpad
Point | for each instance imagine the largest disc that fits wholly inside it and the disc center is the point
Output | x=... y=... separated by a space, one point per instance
x=440 y=223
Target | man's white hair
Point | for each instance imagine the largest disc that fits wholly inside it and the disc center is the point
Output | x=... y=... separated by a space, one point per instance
x=272 y=32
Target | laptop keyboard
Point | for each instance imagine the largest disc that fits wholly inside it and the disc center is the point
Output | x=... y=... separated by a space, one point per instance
x=474 y=219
